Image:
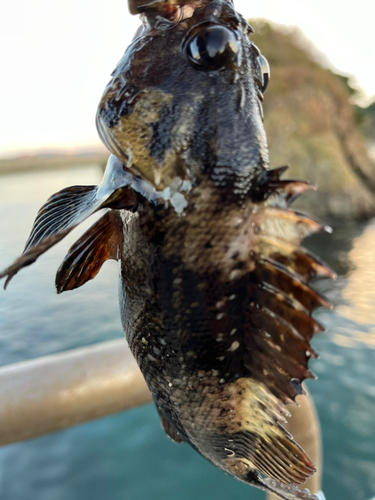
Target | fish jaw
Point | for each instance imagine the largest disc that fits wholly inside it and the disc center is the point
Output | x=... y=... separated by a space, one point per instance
x=165 y=118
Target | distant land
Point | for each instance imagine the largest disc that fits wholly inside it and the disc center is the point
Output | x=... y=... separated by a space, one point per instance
x=53 y=160
x=313 y=126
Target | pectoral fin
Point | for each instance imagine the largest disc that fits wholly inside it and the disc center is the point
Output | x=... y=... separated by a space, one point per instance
x=85 y=258
x=64 y=210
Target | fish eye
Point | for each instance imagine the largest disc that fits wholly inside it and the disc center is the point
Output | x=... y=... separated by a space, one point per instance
x=210 y=48
x=264 y=73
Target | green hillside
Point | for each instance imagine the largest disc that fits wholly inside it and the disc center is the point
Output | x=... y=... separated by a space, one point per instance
x=366 y=122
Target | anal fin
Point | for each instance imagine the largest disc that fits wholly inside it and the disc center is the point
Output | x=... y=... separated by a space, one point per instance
x=103 y=241
x=168 y=427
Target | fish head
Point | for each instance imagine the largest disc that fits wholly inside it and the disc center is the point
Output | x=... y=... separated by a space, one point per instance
x=185 y=101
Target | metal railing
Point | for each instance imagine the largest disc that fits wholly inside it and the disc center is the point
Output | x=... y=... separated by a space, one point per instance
x=54 y=392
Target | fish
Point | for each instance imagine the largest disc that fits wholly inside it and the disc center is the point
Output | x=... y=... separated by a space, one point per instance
x=214 y=291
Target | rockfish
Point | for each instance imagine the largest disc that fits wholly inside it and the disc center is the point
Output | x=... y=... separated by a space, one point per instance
x=214 y=293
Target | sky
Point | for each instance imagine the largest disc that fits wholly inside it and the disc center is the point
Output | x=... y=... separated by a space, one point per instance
x=56 y=58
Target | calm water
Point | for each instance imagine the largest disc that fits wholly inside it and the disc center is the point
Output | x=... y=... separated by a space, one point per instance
x=127 y=456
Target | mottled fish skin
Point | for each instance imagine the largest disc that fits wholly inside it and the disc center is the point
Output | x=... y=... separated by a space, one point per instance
x=214 y=294
x=219 y=328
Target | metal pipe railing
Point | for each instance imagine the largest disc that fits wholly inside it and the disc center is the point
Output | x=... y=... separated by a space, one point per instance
x=53 y=392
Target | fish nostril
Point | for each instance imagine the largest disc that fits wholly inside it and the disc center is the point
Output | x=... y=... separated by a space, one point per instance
x=211 y=48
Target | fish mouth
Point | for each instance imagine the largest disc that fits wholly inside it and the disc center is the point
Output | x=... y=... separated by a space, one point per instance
x=140 y=6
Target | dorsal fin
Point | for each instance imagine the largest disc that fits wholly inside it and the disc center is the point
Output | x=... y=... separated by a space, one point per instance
x=85 y=258
x=262 y=304
x=280 y=323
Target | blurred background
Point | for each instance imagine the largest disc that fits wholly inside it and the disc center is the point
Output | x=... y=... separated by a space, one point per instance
x=320 y=119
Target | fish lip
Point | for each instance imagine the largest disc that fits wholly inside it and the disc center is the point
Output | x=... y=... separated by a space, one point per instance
x=187 y=9
x=135 y=9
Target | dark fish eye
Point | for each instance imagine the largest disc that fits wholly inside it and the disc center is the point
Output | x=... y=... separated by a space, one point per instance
x=264 y=72
x=211 y=48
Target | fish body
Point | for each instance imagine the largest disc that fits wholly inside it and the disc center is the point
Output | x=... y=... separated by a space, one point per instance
x=214 y=293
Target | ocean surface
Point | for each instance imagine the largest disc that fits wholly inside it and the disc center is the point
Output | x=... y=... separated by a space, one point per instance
x=127 y=456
